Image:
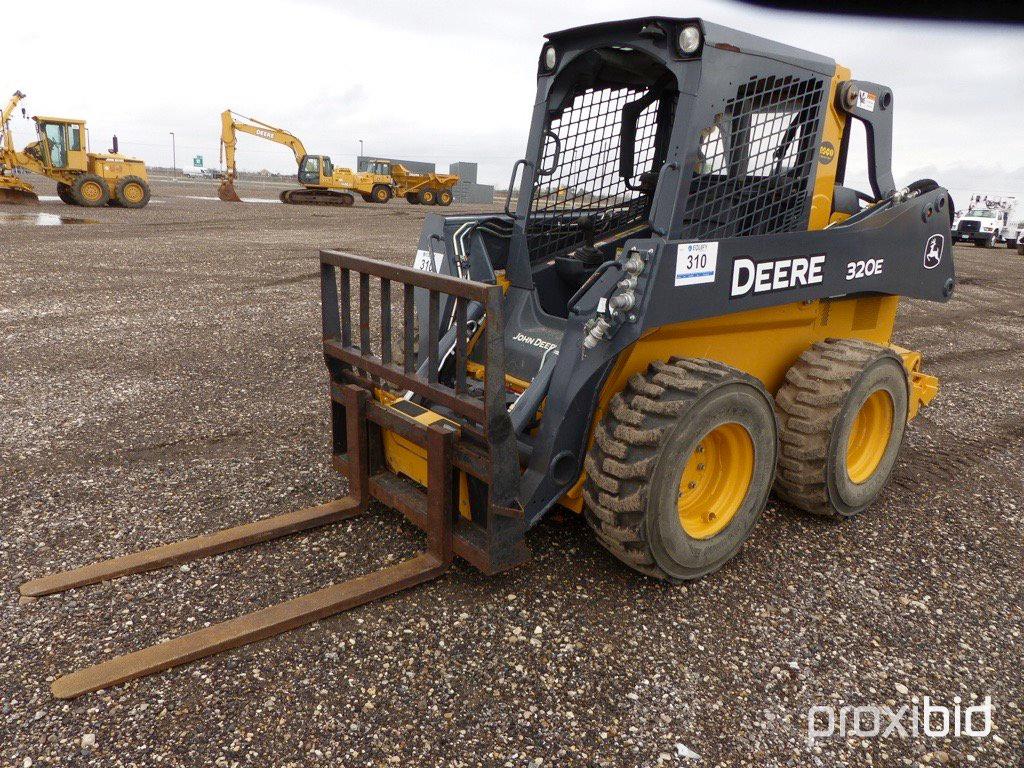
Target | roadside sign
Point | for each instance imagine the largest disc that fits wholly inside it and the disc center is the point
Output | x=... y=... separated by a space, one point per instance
x=197 y=161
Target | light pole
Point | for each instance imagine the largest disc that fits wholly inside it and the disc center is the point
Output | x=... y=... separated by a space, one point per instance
x=174 y=156
x=360 y=147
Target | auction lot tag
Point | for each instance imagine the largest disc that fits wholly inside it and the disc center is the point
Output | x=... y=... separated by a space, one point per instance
x=423 y=261
x=696 y=263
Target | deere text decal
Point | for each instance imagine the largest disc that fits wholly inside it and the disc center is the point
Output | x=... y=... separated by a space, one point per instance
x=757 y=277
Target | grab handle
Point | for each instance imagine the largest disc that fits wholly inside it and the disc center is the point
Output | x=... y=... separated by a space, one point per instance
x=511 y=186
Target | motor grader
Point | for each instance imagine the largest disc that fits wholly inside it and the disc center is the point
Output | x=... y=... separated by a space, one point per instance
x=686 y=309
x=83 y=178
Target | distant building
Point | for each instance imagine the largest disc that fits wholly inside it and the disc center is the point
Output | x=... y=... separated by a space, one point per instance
x=467 y=190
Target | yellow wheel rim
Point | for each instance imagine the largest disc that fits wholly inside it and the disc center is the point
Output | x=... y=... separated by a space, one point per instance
x=133 y=193
x=715 y=480
x=92 y=191
x=427 y=197
x=382 y=195
x=869 y=436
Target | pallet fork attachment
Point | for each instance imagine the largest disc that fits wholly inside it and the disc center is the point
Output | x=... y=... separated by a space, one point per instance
x=475 y=441
x=275 y=619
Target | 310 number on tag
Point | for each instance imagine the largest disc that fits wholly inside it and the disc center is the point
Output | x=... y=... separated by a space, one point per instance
x=696 y=263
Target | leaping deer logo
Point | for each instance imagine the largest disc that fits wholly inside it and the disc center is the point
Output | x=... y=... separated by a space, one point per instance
x=933 y=252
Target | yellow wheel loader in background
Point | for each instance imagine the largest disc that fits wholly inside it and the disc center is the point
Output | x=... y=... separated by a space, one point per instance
x=686 y=310
x=322 y=182
x=61 y=153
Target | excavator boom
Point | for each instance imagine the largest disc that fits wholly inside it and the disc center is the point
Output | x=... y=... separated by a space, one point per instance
x=231 y=124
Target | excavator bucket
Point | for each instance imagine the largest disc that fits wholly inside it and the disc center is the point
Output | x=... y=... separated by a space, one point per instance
x=226 y=192
x=16 y=192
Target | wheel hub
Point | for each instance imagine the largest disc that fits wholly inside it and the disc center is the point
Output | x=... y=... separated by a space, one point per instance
x=715 y=480
x=869 y=436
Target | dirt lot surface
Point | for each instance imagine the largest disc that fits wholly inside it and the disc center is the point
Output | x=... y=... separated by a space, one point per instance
x=162 y=377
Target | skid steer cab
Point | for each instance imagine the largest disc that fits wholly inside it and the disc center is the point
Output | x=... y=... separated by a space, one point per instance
x=685 y=309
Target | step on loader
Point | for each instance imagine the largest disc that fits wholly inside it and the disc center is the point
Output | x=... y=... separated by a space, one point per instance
x=686 y=308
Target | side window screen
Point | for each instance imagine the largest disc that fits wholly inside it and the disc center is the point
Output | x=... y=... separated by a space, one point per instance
x=754 y=167
x=774 y=138
x=76 y=138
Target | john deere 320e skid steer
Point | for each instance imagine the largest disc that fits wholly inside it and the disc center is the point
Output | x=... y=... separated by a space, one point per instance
x=685 y=309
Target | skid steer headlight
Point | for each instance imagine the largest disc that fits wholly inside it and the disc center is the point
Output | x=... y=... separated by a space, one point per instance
x=689 y=40
x=549 y=58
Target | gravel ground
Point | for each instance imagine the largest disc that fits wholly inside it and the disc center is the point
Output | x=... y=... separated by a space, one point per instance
x=162 y=376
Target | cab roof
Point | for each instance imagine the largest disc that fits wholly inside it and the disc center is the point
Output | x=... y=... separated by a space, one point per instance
x=714 y=34
x=51 y=119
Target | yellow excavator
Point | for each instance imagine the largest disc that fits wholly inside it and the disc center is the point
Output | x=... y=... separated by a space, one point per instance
x=83 y=178
x=322 y=182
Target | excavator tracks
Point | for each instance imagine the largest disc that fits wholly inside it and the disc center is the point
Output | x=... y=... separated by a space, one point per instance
x=317 y=197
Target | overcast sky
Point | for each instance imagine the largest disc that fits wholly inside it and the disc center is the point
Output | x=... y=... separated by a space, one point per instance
x=455 y=80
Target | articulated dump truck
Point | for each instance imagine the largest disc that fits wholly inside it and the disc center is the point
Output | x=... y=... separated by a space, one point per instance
x=686 y=309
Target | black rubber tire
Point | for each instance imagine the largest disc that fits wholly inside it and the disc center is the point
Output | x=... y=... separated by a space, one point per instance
x=428 y=197
x=986 y=243
x=640 y=448
x=88 y=179
x=817 y=405
x=124 y=200
x=444 y=198
x=1011 y=243
x=64 y=193
x=1020 y=248
x=381 y=193
x=413 y=198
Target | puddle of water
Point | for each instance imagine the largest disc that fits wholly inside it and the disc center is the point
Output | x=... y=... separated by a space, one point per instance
x=55 y=199
x=244 y=199
x=43 y=219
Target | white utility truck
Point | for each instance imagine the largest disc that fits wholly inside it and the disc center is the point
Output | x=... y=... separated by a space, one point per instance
x=988 y=220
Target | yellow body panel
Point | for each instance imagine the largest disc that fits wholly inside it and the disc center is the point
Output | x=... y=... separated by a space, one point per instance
x=761 y=342
x=828 y=157
x=405 y=457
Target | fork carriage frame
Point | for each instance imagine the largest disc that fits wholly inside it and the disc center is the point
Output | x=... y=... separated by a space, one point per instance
x=483 y=443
